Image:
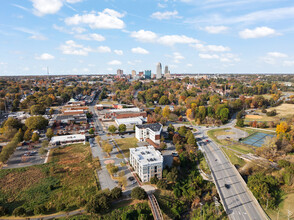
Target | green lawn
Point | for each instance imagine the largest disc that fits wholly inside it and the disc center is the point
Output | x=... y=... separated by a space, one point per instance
x=204 y=166
x=233 y=158
x=126 y=143
x=286 y=204
x=65 y=183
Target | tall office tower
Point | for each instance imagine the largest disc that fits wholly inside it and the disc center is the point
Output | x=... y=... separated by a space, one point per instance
x=166 y=70
x=158 y=71
x=147 y=74
x=133 y=74
x=120 y=72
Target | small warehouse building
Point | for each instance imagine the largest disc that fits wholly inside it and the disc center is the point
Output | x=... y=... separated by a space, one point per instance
x=68 y=139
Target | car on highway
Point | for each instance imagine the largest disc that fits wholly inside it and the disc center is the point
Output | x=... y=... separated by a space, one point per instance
x=131 y=178
x=227 y=185
x=175 y=154
x=207 y=140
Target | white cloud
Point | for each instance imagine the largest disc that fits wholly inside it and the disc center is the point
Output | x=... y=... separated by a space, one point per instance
x=225 y=57
x=79 y=30
x=96 y=37
x=161 y=5
x=45 y=56
x=170 y=40
x=73 y=1
x=118 y=52
x=210 y=48
x=107 y=19
x=140 y=50
x=277 y=54
x=144 y=36
x=109 y=69
x=38 y=37
x=189 y=65
x=288 y=63
x=114 y=62
x=178 y=57
x=103 y=49
x=215 y=29
x=72 y=48
x=273 y=57
x=257 y=32
x=165 y=15
x=208 y=56
x=86 y=70
x=43 y=7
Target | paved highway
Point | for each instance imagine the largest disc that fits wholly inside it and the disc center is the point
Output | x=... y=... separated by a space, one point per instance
x=238 y=201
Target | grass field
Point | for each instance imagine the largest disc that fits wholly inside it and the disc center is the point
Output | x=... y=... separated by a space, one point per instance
x=65 y=183
x=285 y=205
x=216 y=132
x=204 y=166
x=233 y=157
x=126 y=143
x=283 y=111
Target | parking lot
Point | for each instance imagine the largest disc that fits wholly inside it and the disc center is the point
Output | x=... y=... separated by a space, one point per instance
x=24 y=156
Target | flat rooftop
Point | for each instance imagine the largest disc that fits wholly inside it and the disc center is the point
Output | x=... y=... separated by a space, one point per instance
x=154 y=127
x=74 y=137
x=147 y=155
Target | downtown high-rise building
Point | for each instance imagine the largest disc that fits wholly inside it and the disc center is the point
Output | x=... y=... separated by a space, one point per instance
x=147 y=74
x=158 y=71
x=166 y=70
x=120 y=72
x=133 y=74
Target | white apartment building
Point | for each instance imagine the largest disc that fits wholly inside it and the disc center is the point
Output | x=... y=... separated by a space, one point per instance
x=147 y=162
x=149 y=131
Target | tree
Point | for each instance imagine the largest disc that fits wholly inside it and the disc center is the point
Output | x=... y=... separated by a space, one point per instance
x=240 y=123
x=166 y=112
x=282 y=128
x=116 y=193
x=163 y=100
x=182 y=131
x=112 y=129
x=202 y=112
x=138 y=193
x=51 y=111
x=170 y=128
x=18 y=137
x=28 y=135
x=36 y=123
x=37 y=110
x=189 y=114
x=49 y=133
x=107 y=148
x=154 y=180
x=122 y=128
x=91 y=131
x=98 y=204
x=161 y=184
x=35 y=137
x=224 y=114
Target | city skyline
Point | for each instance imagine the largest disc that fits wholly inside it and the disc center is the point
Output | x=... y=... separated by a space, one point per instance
x=82 y=37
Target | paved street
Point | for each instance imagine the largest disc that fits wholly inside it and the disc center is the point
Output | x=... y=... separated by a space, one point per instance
x=238 y=201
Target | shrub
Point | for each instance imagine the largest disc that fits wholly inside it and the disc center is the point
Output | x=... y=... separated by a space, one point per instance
x=162 y=184
x=2 y=211
x=116 y=193
x=284 y=163
x=98 y=204
x=154 y=180
x=40 y=209
x=138 y=193
x=19 y=211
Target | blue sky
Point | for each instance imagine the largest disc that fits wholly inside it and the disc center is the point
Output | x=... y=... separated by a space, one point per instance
x=190 y=36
